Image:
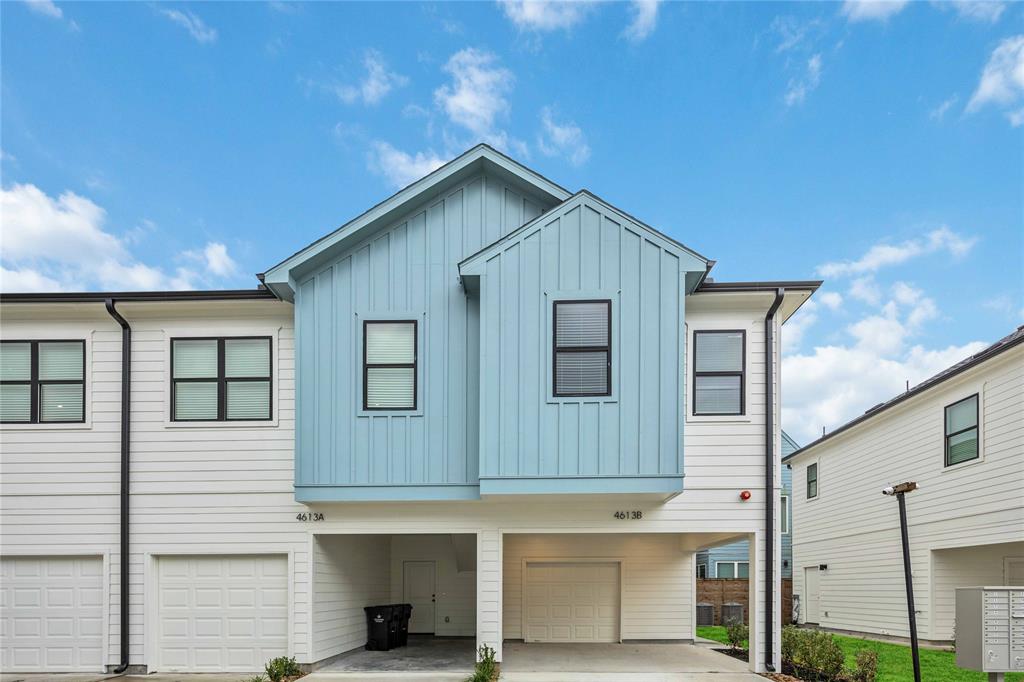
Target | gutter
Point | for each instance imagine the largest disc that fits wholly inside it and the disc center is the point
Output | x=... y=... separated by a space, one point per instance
x=261 y=293
x=126 y=396
x=769 y=479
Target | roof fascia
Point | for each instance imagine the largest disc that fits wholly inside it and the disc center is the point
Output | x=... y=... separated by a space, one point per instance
x=280 y=278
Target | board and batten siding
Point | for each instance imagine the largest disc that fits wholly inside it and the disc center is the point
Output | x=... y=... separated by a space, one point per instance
x=195 y=489
x=407 y=271
x=531 y=441
x=854 y=529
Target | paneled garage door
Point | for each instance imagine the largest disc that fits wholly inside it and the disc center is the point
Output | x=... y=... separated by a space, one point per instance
x=571 y=602
x=221 y=613
x=51 y=614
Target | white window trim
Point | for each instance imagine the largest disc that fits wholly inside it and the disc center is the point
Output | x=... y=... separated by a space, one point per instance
x=275 y=354
x=705 y=567
x=548 y=340
x=735 y=569
x=788 y=528
x=712 y=326
x=85 y=425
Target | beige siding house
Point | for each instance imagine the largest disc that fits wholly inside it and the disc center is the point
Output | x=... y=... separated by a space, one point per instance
x=960 y=436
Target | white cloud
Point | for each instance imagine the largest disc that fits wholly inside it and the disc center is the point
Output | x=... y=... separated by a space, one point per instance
x=196 y=27
x=1016 y=118
x=401 y=168
x=792 y=32
x=544 y=15
x=645 y=20
x=865 y=289
x=976 y=10
x=377 y=83
x=939 y=112
x=882 y=255
x=798 y=88
x=830 y=299
x=872 y=10
x=870 y=362
x=47 y=8
x=476 y=98
x=214 y=257
x=562 y=139
x=835 y=383
x=60 y=243
x=1002 y=80
x=1005 y=305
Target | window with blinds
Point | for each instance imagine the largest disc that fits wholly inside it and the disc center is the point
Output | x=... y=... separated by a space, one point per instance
x=221 y=379
x=581 y=347
x=389 y=364
x=812 y=480
x=718 y=369
x=42 y=382
x=962 y=431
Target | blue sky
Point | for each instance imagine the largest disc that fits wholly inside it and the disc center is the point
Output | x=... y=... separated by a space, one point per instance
x=879 y=146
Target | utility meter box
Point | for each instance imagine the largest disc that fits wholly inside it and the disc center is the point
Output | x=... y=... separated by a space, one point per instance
x=990 y=628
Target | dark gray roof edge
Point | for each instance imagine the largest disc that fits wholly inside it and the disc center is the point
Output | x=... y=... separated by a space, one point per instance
x=139 y=296
x=999 y=347
x=795 y=285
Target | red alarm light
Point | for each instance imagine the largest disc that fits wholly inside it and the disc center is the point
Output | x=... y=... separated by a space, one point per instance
x=745 y=495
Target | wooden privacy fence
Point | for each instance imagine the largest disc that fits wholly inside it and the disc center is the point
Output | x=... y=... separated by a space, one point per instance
x=720 y=599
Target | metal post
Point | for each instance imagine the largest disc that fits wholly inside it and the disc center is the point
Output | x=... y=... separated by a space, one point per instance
x=910 y=586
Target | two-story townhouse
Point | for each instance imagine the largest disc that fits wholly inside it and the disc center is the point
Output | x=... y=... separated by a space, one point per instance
x=519 y=409
x=960 y=436
x=731 y=559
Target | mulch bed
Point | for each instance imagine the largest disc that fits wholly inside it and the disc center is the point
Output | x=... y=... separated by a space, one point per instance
x=741 y=654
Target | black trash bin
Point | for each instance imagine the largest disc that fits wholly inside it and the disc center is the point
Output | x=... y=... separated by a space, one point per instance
x=381 y=629
x=405 y=612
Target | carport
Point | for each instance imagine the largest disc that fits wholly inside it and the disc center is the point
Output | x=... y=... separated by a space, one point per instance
x=436 y=573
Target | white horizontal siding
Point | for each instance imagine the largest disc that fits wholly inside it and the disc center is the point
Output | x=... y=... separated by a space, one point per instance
x=855 y=530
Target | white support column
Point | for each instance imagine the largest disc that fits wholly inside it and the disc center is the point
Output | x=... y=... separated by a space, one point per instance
x=755 y=598
x=488 y=590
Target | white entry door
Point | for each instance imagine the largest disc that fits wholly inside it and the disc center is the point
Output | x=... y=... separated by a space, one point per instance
x=812 y=595
x=571 y=602
x=51 y=614
x=420 y=589
x=221 y=613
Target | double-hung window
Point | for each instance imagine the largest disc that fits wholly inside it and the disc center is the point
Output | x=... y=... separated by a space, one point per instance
x=389 y=365
x=784 y=514
x=812 y=480
x=221 y=379
x=42 y=382
x=718 y=369
x=962 y=431
x=581 y=348
x=732 y=569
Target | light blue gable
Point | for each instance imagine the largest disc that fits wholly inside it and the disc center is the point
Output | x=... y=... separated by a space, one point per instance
x=738 y=551
x=628 y=442
x=408 y=269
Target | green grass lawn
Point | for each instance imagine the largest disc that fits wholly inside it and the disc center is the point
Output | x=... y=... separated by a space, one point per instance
x=894 y=662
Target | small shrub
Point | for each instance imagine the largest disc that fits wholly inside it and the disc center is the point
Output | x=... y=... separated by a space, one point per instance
x=737 y=633
x=865 y=666
x=257 y=678
x=790 y=641
x=281 y=668
x=486 y=669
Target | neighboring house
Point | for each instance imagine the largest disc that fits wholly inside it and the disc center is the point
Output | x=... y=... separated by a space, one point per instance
x=960 y=437
x=732 y=560
x=518 y=408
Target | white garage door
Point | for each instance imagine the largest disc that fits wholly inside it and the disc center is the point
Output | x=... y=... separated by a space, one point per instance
x=572 y=602
x=51 y=614
x=221 y=613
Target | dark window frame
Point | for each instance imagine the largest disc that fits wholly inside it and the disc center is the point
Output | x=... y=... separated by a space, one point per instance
x=807 y=476
x=223 y=381
x=977 y=427
x=556 y=349
x=699 y=571
x=414 y=365
x=34 y=382
x=742 y=374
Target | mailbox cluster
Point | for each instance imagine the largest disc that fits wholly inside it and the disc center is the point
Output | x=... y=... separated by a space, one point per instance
x=990 y=628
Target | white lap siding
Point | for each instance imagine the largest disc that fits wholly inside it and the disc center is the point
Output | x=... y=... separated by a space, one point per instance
x=854 y=529
x=209 y=489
